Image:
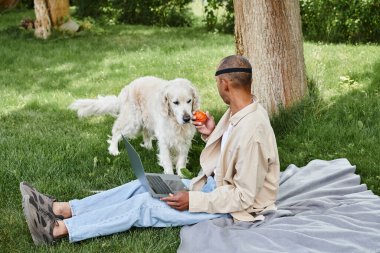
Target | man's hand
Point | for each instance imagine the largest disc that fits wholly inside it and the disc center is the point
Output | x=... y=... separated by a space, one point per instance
x=207 y=127
x=179 y=201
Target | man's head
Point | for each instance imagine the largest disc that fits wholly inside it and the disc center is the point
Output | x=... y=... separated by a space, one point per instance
x=234 y=72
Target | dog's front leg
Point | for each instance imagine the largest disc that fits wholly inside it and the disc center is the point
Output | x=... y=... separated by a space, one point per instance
x=181 y=160
x=113 y=148
x=164 y=158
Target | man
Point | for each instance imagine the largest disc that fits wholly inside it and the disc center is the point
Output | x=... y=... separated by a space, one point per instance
x=239 y=177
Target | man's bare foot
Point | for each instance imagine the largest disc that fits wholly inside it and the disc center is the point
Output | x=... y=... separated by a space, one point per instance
x=60 y=230
x=62 y=208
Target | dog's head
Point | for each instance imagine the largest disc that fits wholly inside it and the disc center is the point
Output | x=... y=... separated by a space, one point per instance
x=179 y=100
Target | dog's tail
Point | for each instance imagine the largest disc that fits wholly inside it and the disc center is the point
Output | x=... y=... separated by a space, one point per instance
x=97 y=106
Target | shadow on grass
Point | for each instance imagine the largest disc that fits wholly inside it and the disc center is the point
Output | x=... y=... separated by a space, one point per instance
x=60 y=61
x=347 y=128
x=53 y=64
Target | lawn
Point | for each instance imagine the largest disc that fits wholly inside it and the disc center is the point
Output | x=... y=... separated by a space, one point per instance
x=43 y=142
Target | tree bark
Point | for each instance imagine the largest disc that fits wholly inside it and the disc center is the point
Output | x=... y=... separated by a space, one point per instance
x=59 y=11
x=42 y=23
x=268 y=33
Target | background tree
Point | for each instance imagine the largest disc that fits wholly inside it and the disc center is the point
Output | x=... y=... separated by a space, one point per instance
x=269 y=33
x=51 y=13
x=42 y=23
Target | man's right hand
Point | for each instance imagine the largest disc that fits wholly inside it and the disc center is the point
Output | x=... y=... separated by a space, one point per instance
x=207 y=127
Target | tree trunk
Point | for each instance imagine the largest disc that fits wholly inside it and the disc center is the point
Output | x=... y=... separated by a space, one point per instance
x=268 y=33
x=59 y=11
x=50 y=13
x=42 y=23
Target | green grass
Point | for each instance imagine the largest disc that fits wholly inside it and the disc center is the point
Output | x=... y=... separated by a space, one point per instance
x=341 y=116
x=42 y=142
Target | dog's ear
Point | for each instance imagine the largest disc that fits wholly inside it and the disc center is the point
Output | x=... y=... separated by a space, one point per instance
x=165 y=103
x=196 y=99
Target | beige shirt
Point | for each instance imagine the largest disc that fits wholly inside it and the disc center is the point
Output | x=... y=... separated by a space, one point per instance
x=248 y=167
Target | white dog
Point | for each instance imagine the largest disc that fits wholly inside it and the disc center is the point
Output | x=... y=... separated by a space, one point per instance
x=158 y=108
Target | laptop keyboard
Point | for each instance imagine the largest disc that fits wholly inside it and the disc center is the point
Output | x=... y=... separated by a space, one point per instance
x=158 y=185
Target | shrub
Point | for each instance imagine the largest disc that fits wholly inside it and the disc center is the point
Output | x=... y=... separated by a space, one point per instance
x=322 y=20
x=146 y=12
x=225 y=22
x=341 y=20
x=154 y=12
x=89 y=8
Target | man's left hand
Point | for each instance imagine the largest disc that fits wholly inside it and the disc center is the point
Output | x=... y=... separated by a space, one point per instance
x=178 y=201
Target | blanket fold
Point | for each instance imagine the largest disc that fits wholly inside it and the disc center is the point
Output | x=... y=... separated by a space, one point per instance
x=322 y=207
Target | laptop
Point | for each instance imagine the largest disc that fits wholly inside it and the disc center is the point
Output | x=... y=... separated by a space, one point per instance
x=159 y=185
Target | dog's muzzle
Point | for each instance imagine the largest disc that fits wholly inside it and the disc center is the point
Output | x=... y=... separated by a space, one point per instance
x=186 y=118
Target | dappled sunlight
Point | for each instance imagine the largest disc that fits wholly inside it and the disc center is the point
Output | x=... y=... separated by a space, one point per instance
x=62 y=68
x=97 y=120
x=347 y=84
x=43 y=141
x=143 y=31
x=13 y=101
x=336 y=69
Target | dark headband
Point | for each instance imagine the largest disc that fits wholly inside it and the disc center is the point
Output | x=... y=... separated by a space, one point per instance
x=231 y=70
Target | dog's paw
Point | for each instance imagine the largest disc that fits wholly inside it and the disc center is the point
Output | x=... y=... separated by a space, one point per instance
x=168 y=171
x=148 y=146
x=179 y=173
x=113 y=151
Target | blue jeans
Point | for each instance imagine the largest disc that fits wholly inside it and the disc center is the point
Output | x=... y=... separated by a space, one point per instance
x=126 y=206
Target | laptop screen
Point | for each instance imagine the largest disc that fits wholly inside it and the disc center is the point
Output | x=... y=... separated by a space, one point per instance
x=136 y=164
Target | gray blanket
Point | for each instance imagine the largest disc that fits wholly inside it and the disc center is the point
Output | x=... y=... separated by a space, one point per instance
x=322 y=207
